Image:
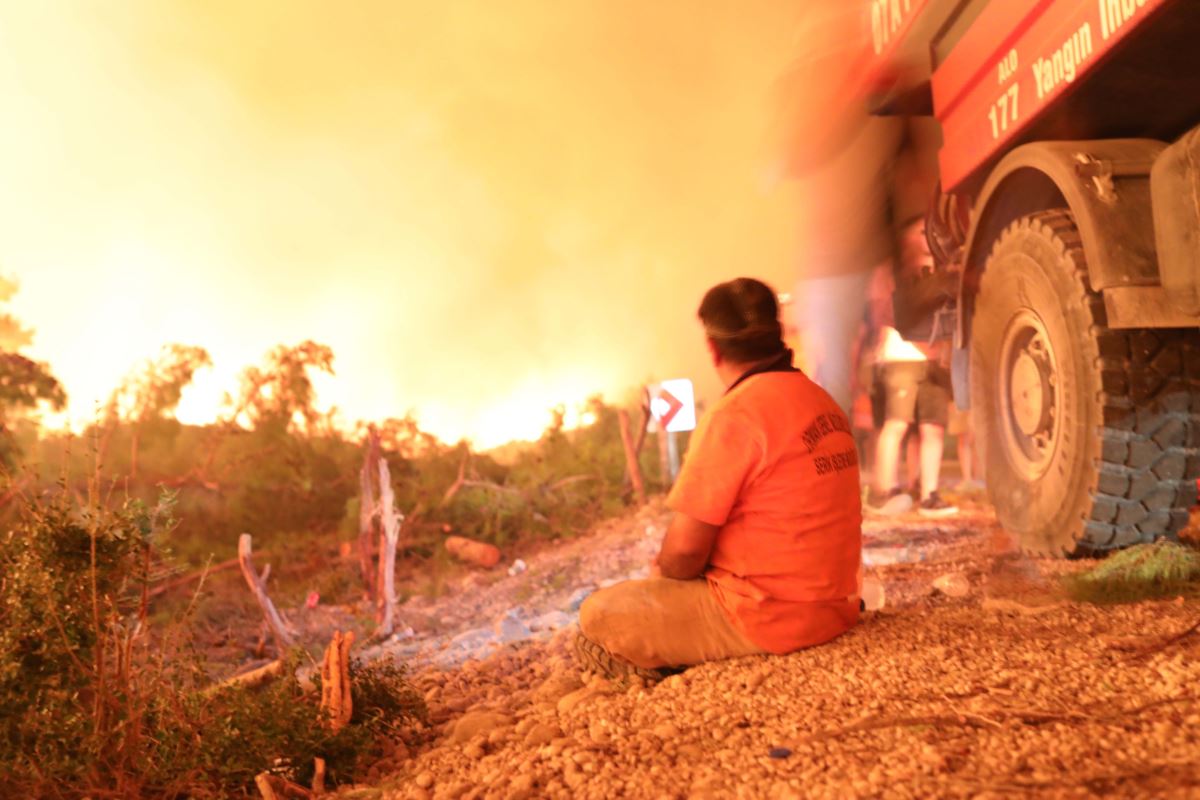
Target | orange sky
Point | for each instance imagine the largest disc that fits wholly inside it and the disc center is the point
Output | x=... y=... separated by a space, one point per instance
x=484 y=208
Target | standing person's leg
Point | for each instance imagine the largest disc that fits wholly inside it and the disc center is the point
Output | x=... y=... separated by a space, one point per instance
x=887 y=456
x=933 y=445
x=912 y=460
x=968 y=458
x=829 y=311
x=933 y=409
x=898 y=383
x=654 y=623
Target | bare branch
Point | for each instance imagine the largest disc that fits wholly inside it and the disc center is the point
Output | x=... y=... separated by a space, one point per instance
x=283 y=639
x=458 y=482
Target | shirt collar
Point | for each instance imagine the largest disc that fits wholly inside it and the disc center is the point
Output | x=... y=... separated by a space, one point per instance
x=781 y=364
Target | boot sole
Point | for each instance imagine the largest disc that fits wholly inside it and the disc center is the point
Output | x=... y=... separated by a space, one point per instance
x=595 y=658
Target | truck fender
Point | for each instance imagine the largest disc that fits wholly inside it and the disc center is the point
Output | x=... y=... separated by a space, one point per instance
x=1105 y=184
x=1175 y=184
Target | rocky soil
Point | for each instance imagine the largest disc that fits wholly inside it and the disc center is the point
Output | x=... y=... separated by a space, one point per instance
x=991 y=685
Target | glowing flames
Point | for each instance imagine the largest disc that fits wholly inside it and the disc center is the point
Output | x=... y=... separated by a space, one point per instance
x=894 y=348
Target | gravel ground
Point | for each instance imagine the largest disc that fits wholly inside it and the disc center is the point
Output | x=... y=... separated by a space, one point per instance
x=1006 y=690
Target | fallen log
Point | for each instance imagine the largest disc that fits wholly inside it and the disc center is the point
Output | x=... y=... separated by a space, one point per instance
x=250 y=679
x=473 y=552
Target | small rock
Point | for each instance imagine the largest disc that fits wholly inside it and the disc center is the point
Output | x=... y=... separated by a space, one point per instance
x=474 y=723
x=424 y=780
x=569 y=702
x=558 y=685
x=952 y=584
x=518 y=567
x=666 y=730
x=510 y=628
x=541 y=734
x=473 y=752
x=779 y=752
x=521 y=787
x=597 y=733
x=674 y=682
x=574 y=778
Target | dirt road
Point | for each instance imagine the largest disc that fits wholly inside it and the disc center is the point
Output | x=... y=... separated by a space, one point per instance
x=1006 y=690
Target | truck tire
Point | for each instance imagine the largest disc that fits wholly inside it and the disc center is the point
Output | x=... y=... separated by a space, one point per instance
x=1088 y=435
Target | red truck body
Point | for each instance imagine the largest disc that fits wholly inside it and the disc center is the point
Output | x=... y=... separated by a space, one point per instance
x=998 y=69
x=1066 y=247
x=1017 y=60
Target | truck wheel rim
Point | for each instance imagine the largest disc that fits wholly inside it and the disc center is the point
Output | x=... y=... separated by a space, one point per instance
x=1029 y=397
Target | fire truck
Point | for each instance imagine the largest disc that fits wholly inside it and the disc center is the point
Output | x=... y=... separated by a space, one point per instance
x=1066 y=237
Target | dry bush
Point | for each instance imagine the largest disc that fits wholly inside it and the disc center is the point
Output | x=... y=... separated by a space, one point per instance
x=95 y=703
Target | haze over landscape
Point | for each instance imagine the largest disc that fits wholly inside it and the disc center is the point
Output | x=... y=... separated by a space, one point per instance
x=484 y=209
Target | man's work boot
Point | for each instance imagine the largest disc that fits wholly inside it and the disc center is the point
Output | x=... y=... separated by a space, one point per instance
x=593 y=657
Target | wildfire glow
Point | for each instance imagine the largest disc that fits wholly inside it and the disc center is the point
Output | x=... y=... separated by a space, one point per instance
x=485 y=210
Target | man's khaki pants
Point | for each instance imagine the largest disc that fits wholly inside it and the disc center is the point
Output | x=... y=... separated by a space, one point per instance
x=660 y=622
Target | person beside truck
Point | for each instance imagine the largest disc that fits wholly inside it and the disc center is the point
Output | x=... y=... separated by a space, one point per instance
x=763 y=552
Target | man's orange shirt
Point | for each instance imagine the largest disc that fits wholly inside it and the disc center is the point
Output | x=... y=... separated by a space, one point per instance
x=774 y=464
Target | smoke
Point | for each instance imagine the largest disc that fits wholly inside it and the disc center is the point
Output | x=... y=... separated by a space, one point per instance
x=484 y=208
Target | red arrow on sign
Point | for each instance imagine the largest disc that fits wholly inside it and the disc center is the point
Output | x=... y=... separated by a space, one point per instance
x=673 y=407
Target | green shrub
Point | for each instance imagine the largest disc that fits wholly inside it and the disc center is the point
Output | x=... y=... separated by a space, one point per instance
x=94 y=702
x=221 y=740
x=1161 y=569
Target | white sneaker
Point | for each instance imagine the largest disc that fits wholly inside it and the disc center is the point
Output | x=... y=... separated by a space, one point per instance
x=897 y=502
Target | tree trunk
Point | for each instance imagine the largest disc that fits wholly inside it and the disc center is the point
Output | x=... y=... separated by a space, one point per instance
x=391 y=520
x=133 y=451
x=367 y=513
x=335 y=681
x=631 y=459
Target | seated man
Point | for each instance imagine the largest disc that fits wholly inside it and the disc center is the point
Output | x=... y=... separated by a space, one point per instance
x=763 y=553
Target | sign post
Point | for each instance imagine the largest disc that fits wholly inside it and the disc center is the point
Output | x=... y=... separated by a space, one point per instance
x=673 y=408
